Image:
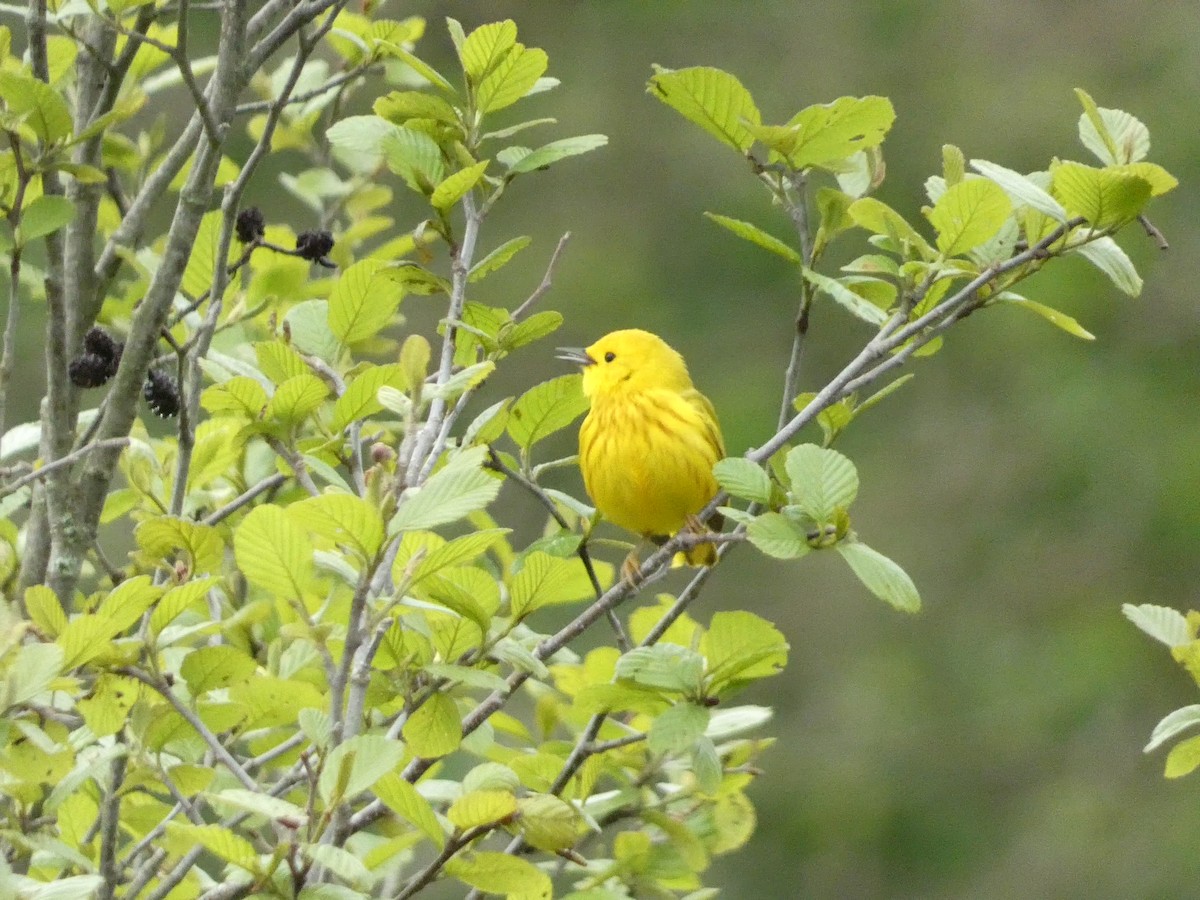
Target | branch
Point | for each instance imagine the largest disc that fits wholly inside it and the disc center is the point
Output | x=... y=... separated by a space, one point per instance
x=332 y=84
x=246 y=497
x=797 y=208
x=61 y=462
x=547 y=280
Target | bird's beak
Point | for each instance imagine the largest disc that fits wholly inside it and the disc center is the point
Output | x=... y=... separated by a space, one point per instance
x=575 y=355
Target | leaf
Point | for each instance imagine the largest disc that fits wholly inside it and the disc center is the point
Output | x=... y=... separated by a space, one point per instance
x=400 y=106
x=712 y=99
x=271 y=701
x=44 y=610
x=476 y=808
x=756 y=235
x=484 y=47
x=363 y=301
x=279 y=361
x=260 y=804
x=778 y=536
x=541 y=582
x=1161 y=181
x=343 y=519
x=546 y=408
x=1172 y=724
x=273 y=552
x=1166 y=625
x=459 y=489
x=360 y=399
x=968 y=214
x=213 y=668
x=1021 y=189
x=836 y=290
x=44 y=215
x=38 y=104
x=882 y=577
x=341 y=862
x=160 y=538
x=511 y=78
x=499 y=257
x=677 y=729
x=548 y=822
x=744 y=479
x=219 y=841
x=1112 y=134
x=1061 y=319
x=1106 y=255
x=879 y=218
x=354 y=766
x=357 y=142
x=556 y=150
x=178 y=599
x=822 y=481
x=836 y=131
x=433 y=730
x=500 y=873
x=452 y=188
x=1183 y=758
x=664 y=666
x=536 y=327
x=239 y=396
x=740 y=646
x=1103 y=197
x=296 y=399
x=404 y=800
x=414 y=156
x=32 y=670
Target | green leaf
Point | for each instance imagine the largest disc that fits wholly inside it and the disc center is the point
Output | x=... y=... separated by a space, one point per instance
x=1166 y=625
x=706 y=765
x=744 y=479
x=822 y=481
x=778 y=536
x=1183 y=758
x=414 y=156
x=1106 y=255
x=32 y=670
x=454 y=186
x=545 y=409
x=45 y=610
x=273 y=552
x=511 y=78
x=1112 y=134
x=756 y=235
x=419 y=66
x=38 y=104
x=343 y=519
x=459 y=489
x=354 y=766
x=536 y=327
x=712 y=99
x=160 y=538
x=499 y=873
x=1103 y=197
x=433 y=730
x=400 y=106
x=1021 y=189
x=485 y=47
x=1180 y=720
x=556 y=150
x=1051 y=315
x=403 y=799
x=357 y=142
x=219 y=841
x=542 y=581
x=360 y=399
x=968 y=214
x=363 y=301
x=499 y=257
x=1161 y=181
x=271 y=701
x=296 y=399
x=879 y=218
x=44 y=215
x=548 y=822
x=828 y=133
x=678 y=728
x=836 y=290
x=664 y=666
x=741 y=646
x=215 y=668
x=241 y=800
x=178 y=599
x=882 y=577
x=476 y=808
x=239 y=396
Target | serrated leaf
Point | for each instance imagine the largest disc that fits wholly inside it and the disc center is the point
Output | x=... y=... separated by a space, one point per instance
x=499 y=257
x=756 y=235
x=536 y=327
x=740 y=646
x=1113 y=135
x=243 y=800
x=822 y=481
x=968 y=214
x=38 y=104
x=1106 y=255
x=360 y=399
x=341 y=862
x=400 y=106
x=363 y=301
x=1104 y=197
x=677 y=729
x=44 y=215
x=296 y=399
x=778 y=536
x=271 y=701
x=545 y=409
x=879 y=218
x=414 y=156
x=542 y=581
x=1053 y=316
x=1166 y=625
x=712 y=99
x=1161 y=181
x=434 y=729
x=484 y=47
x=499 y=873
x=32 y=670
x=852 y=302
x=744 y=479
x=548 y=822
x=273 y=552
x=354 y=766
x=343 y=519
x=452 y=188
x=554 y=151
x=45 y=610
x=882 y=577
x=511 y=78
x=403 y=799
x=835 y=131
x=239 y=396
x=1172 y=724
x=175 y=601
x=218 y=667
x=476 y=808
x=160 y=538
x=1021 y=189
x=279 y=361
x=458 y=490
x=219 y=841
x=663 y=666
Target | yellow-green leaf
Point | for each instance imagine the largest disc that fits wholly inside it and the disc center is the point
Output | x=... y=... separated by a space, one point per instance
x=363 y=301
x=545 y=409
x=274 y=553
x=499 y=873
x=434 y=729
x=1104 y=197
x=476 y=808
x=968 y=214
x=404 y=800
x=296 y=399
x=711 y=98
x=342 y=519
x=511 y=78
x=213 y=668
x=454 y=186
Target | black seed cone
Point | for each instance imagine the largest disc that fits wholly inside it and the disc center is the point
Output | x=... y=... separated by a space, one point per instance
x=161 y=393
x=250 y=225
x=100 y=342
x=88 y=370
x=314 y=245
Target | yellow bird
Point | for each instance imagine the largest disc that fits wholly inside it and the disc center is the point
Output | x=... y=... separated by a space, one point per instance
x=650 y=439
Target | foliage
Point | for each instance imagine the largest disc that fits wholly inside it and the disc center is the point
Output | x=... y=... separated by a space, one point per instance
x=299 y=682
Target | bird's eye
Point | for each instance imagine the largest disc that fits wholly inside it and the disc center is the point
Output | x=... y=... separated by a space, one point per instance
x=609 y=356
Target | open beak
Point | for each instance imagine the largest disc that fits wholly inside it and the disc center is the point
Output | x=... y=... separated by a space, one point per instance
x=575 y=355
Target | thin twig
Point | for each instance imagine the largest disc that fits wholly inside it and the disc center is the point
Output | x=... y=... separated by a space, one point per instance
x=247 y=496
x=61 y=462
x=547 y=280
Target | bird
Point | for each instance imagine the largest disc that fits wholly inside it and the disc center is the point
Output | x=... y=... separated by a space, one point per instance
x=649 y=442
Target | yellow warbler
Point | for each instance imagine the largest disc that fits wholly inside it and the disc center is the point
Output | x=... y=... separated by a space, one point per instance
x=650 y=439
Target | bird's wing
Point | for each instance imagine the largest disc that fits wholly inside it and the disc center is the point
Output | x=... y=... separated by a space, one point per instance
x=712 y=427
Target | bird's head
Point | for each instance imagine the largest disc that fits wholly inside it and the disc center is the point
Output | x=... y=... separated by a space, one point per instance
x=629 y=360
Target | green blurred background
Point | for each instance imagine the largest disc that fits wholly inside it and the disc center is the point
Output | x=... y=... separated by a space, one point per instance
x=1030 y=483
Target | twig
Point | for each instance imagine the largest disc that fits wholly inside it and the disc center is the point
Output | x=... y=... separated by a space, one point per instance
x=547 y=280
x=797 y=207
x=1152 y=231
x=247 y=496
x=296 y=462
x=337 y=81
